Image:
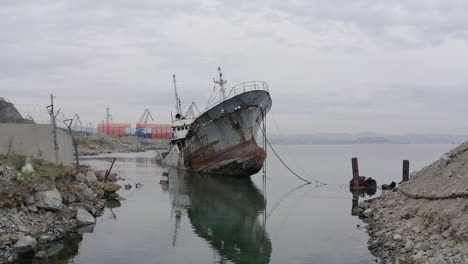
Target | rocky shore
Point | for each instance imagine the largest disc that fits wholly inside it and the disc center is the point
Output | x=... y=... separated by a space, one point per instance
x=41 y=203
x=430 y=229
x=100 y=143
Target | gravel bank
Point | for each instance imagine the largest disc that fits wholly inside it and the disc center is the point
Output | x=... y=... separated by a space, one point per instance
x=100 y=143
x=426 y=230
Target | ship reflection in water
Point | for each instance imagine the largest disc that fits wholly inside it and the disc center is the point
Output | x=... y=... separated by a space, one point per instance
x=227 y=212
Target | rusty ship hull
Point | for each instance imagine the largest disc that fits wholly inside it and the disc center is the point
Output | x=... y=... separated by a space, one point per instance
x=223 y=140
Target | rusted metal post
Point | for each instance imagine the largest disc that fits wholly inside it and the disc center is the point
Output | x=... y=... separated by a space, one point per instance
x=354 y=163
x=109 y=170
x=405 y=170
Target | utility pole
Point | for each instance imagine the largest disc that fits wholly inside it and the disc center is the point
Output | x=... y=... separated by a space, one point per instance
x=53 y=122
x=69 y=123
x=107 y=121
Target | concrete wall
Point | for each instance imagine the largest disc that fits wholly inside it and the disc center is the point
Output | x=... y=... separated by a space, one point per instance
x=36 y=140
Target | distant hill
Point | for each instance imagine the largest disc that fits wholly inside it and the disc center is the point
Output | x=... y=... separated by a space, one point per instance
x=367 y=138
x=9 y=113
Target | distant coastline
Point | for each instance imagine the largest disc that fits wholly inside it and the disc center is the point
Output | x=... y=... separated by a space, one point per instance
x=365 y=138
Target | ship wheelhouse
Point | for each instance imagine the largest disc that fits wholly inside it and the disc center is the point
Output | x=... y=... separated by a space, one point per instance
x=180 y=129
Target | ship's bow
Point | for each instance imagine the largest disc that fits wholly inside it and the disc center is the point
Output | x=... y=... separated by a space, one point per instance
x=224 y=139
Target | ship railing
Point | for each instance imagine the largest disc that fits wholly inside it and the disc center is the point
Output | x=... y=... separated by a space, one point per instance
x=247 y=86
x=241 y=88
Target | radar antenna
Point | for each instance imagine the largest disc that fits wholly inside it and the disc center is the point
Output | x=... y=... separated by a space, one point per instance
x=221 y=83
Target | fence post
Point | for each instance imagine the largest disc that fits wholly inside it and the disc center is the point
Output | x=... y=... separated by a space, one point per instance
x=354 y=163
x=405 y=170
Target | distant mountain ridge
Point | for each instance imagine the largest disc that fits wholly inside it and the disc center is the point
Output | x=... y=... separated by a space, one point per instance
x=367 y=138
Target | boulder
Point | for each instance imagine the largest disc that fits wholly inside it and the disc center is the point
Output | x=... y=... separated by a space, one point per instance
x=50 y=250
x=100 y=175
x=80 y=177
x=27 y=169
x=83 y=218
x=25 y=243
x=409 y=244
x=91 y=177
x=49 y=200
x=88 y=194
x=368 y=212
x=111 y=187
x=32 y=208
x=443 y=160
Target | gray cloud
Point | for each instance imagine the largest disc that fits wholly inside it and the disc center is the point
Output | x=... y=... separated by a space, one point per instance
x=331 y=65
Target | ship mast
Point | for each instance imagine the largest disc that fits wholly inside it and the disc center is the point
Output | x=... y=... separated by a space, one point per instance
x=221 y=83
x=178 y=103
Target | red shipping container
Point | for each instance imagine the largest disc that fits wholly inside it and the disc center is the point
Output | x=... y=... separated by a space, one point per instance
x=113 y=129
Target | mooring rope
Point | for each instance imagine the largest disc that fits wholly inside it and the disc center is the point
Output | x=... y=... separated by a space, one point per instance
x=281 y=160
x=284 y=196
x=433 y=197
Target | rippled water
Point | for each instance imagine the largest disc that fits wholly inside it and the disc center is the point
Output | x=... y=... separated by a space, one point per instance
x=207 y=219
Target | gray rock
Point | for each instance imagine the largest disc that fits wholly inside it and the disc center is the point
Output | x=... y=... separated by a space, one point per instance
x=91 y=177
x=80 y=177
x=443 y=161
x=27 y=169
x=25 y=243
x=113 y=187
x=368 y=212
x=5 y=239
x=85 y=229
x=49 y=200
x=84 y=218
x=30 y=200
x=389 y=203
x=364 y=205
x=32 y=208
x=88 y=194
x=438 y=258
x=49 y=251
x=397 y=237
x=446 y=233
x=409 y=244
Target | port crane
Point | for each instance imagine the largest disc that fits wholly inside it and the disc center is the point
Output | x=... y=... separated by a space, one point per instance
x=141 y=132
x=145 y=116
x=192 y=111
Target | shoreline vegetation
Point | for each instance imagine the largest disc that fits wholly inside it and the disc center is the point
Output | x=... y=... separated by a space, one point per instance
x=424 y=230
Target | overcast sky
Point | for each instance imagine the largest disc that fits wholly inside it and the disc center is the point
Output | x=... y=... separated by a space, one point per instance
x=332 y=66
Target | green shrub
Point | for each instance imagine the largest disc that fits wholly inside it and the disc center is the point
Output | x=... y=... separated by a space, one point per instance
x=17 y=179
x=16 y=160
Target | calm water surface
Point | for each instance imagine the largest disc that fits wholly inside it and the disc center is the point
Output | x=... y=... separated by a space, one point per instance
x=205 y=219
